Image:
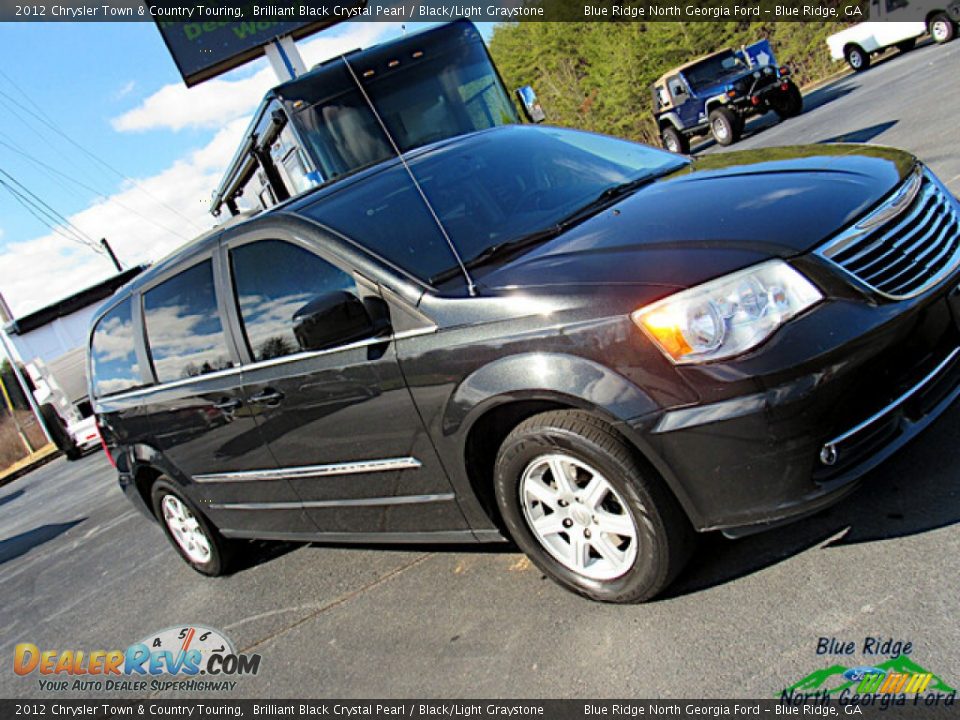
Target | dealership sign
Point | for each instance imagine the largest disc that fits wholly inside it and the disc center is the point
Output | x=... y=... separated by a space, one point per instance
x=203 y=48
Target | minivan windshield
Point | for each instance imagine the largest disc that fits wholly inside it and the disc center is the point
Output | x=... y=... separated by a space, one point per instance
x=489 y=190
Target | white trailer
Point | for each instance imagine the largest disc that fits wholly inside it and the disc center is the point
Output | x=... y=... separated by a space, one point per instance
x=51 y=344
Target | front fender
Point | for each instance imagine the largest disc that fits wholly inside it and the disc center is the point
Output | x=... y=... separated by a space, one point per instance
x=567 y=379
x=670 y=118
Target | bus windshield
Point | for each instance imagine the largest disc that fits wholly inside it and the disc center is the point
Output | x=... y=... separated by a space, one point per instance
x=422 y=96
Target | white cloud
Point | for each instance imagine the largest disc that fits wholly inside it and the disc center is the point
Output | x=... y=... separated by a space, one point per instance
x=40 y=271
x=125 y=90
x=216 y=101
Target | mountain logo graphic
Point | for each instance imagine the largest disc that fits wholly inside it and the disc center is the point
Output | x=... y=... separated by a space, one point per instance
x=897 y=675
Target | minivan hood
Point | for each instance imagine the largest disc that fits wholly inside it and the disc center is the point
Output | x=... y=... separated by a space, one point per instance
x=718 y=214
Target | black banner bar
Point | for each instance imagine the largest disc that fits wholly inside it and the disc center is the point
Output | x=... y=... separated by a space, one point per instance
x=873 y=706
x=258 y=16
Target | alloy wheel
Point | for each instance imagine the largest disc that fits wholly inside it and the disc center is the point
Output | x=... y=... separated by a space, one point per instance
x=720 y=130
x=186 y=530
x=578 y=517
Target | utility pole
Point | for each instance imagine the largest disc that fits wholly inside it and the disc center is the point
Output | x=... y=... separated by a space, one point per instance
x=116 y=262
x=284 y=58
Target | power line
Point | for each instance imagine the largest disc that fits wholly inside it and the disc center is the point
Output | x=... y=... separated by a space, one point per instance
x=90 y=188
x=51 y=212
x=41 y=116
x=20 y=198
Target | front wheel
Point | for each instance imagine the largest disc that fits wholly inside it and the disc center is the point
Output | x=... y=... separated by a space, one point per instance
x=942 y=29
x=579 y=504
x=857 y=58
x=725 y=125
x=788 y=103
x=197 y=541
x=675 y=141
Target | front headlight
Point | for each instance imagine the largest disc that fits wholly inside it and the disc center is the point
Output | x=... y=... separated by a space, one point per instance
x=729 y=315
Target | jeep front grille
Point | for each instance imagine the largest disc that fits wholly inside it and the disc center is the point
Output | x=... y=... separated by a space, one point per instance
x=905 y=247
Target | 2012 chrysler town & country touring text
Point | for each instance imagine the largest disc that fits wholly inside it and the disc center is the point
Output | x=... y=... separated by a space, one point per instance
x=585 y=345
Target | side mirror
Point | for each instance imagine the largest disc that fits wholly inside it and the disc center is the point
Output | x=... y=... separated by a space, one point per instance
x=332 y=319
x=530 y=104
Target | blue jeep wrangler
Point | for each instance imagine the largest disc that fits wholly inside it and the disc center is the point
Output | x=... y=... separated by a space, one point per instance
x=719 y=92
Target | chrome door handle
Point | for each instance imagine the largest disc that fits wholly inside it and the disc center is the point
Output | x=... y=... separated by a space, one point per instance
x=229 y=405
x=267 y=397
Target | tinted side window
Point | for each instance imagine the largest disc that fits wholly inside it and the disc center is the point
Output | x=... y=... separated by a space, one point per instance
x=112 y=352
x=184 y=332
x=275 y=282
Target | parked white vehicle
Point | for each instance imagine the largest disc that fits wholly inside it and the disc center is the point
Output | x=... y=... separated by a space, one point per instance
x=856 y=44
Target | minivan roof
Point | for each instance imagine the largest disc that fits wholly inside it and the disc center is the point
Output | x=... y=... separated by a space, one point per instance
x=204 y=242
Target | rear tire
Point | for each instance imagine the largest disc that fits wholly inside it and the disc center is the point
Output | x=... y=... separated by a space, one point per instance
x=726 y=126
x=58 y=432
x=608 y=529
x=942 y=29
x=857 y=58
x=675 y=141
x=194 y=537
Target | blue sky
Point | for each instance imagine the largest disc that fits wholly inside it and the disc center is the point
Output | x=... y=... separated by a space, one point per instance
x=81 y=75
x=114 y=88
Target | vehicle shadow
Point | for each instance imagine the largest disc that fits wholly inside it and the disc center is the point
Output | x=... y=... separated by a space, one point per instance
x=915 y=491
x=11 y=497
x=863 y=135
x=13 y=547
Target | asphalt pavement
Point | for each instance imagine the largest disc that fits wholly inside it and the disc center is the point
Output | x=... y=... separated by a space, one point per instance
x=81 y=569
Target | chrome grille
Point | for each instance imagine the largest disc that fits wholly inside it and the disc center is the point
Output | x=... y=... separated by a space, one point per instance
x=905 y=247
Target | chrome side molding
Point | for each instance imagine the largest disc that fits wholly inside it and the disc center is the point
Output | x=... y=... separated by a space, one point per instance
x=358 y=502
x=312 y=471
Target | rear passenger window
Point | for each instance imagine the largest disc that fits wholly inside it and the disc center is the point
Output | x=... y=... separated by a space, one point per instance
x=184 y=332
x=112 y=352
x=275 y=282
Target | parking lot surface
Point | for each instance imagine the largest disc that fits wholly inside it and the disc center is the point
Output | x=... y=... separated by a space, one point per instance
x=81 y=569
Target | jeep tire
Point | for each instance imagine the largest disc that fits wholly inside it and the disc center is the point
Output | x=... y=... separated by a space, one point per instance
x=674 y=140
x=725 y=125
x=789 y=102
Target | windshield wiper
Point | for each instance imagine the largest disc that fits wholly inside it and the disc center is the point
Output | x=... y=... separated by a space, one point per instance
x=507 y=248
x=605 y=199
x=499 y=251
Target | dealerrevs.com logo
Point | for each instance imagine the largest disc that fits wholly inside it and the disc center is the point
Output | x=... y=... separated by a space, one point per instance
x=190 y=657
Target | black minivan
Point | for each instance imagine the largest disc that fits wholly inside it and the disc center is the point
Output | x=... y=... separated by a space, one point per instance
x=587 y=346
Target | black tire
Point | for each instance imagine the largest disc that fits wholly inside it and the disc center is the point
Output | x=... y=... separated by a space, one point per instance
x=907 y=45
x=674 y=140
x=223 y=552
x=725 y=126
x=58 y=432
x=664 y=537
x=789 y=103
x=941 y=28
x=857 y=58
